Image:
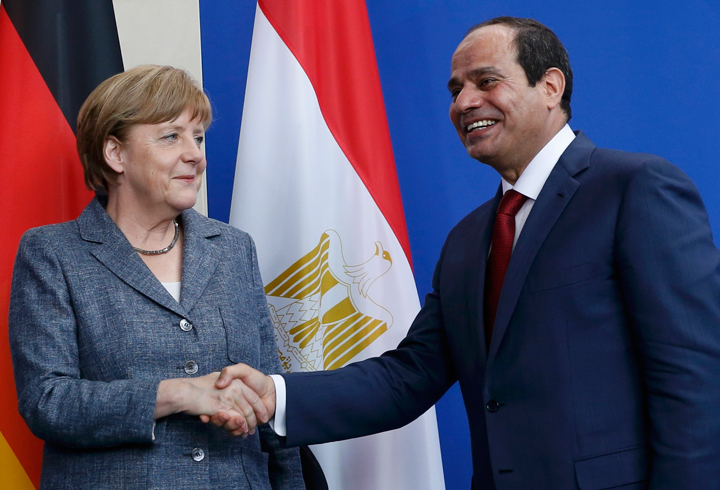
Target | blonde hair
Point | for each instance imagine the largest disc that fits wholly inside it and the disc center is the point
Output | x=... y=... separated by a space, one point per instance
x=148 y=94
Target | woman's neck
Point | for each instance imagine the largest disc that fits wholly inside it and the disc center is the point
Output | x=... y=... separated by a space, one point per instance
x=144 y=227
x=151 y=232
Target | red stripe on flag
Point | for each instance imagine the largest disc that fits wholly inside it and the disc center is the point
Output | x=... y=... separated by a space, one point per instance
x=42 y=183
x=332 y=42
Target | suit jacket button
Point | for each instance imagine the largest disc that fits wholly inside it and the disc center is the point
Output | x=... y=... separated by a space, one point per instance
x=492 y=406
x=198 y=454
x=185 y=325
x=191 y=367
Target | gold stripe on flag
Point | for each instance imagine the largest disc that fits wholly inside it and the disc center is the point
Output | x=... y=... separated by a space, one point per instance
x=13 y=474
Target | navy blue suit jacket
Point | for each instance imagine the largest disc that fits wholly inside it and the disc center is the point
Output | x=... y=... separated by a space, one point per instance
x=604 y=365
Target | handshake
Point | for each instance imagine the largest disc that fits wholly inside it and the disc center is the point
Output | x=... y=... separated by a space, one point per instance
x=237 y=399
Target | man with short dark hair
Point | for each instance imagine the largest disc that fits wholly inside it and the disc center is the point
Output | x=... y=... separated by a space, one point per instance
x=579 y=308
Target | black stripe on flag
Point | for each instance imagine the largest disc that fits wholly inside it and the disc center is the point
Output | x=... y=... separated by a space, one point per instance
x=74 y=44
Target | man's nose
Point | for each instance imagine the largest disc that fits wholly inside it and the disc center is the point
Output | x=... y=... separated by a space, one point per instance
x=467 y=99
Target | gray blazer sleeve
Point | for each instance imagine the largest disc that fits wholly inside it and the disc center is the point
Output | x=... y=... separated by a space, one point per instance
x=93 y=332
x=54 y=399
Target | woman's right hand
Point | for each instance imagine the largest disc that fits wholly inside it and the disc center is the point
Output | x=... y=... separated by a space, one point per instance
x=236 y=403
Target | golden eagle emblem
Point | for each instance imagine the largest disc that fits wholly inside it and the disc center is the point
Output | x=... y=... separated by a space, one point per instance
x=320 y=306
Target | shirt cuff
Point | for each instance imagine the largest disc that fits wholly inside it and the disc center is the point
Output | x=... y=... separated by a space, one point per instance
x=278 y=421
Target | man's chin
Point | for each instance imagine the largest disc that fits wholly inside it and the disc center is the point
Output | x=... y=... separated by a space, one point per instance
x=480 y=155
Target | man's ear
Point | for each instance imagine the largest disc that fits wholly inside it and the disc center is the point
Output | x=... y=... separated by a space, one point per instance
x=112 y=151
x=554 y=84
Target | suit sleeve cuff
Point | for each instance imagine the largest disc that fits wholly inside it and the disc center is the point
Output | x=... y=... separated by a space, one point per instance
x=278 y=423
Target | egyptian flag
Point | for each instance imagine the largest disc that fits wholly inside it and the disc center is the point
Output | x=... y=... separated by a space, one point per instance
x=52 y=55
x=316 y=187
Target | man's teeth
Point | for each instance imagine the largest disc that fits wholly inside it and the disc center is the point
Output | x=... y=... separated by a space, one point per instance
x=480 y=124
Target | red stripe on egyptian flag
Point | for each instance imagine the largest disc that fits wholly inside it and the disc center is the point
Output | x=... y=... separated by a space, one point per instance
x=41 y=183
x=335 y=49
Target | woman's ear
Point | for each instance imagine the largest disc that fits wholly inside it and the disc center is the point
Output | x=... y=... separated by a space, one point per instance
x=112 y=151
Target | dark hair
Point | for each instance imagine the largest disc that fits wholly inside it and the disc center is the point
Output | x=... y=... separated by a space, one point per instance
x=538 y=49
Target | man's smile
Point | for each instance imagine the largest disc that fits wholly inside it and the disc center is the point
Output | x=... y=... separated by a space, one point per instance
x=482 y=124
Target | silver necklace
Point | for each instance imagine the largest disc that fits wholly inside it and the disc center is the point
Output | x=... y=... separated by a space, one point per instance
x=162 y=250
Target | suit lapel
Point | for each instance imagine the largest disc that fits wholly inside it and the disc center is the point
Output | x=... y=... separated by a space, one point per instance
x=115 y=252
x=554 y=197
x=475 y=274
x=199 y=258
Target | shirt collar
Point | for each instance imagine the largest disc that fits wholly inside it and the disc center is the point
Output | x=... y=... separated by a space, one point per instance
x=533 y=178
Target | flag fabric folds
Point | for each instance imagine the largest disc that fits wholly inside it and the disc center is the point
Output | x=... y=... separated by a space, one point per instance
x=316 y=188
x=315 y=185
x=47 y=67
x=53 y=53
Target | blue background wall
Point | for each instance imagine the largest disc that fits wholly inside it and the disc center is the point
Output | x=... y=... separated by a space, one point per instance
x=647 y=75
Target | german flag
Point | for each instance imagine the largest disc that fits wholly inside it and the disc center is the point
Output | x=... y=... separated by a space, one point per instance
x=53 y=53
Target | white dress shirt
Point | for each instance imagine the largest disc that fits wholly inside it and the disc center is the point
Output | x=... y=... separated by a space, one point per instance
x=533 y=178
x=529 y=184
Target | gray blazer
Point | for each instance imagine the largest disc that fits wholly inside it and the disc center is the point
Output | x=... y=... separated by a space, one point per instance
x=93 y=332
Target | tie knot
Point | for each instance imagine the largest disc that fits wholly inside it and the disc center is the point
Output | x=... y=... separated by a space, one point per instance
x=511 y=203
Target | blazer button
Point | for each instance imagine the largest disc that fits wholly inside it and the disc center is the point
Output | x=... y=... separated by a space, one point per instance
x=191 y=367
x=185 y=325
x=492 y=406
x=197 y=454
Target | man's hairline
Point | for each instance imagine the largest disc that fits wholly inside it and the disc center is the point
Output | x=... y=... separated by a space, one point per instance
x=513 y=41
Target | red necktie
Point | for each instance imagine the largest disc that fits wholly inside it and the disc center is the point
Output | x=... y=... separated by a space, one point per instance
x=502 y=242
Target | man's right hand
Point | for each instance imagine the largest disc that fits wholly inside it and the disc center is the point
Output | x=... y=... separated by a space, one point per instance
x=261 y=386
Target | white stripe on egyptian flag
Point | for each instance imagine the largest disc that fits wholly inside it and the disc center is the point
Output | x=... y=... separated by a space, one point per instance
x=315 y=160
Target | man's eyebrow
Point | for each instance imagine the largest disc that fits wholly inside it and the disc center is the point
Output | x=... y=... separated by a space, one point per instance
x=476 y=73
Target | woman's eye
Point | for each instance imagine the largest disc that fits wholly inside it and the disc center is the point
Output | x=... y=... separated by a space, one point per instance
x=199 y=140
x=171 y=137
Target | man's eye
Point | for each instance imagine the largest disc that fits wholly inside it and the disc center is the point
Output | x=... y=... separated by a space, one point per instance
x=454 y=94
x=487 y=81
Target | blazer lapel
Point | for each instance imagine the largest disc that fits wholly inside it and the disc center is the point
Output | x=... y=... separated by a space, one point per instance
x=115 y=252
x=199 y=258
x=554 y=197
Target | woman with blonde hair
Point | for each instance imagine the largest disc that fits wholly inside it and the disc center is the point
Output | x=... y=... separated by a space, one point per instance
x=121 y=319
